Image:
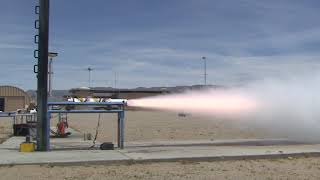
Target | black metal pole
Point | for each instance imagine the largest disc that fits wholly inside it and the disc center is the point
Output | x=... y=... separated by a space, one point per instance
x=43 y=143
x=119 y=130
x=205 y=70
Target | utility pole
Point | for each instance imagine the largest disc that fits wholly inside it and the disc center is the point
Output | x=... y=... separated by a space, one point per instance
x=115 y=80
x=51 y=55
x=43 y=132
x=117 y=90
x=205 y=70
x=89 y=70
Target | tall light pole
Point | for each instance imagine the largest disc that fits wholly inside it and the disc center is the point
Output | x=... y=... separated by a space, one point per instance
x=89 y=70
x=115 y=80
x=205 y=69
x=51 y=55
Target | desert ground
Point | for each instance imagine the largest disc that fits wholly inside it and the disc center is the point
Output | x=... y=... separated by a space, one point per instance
x=5 y=128
x=157 y=125
x=301 y=168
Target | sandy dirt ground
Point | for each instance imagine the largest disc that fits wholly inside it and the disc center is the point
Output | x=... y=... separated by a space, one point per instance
x=152 y=126
x=5 y=128
x=301 y=168
x=157 y=125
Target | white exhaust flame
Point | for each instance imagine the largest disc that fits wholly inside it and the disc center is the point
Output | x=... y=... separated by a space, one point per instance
x=205 y=102
x=291 y=107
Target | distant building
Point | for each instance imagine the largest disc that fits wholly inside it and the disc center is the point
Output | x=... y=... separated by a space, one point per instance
x=114 y=93
x=140 y=92
x=13 y=98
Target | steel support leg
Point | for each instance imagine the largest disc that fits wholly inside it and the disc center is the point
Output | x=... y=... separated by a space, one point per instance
x=122 y=130
x=119 y=130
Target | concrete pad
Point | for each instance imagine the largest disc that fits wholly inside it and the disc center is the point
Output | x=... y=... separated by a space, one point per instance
x=60 y=157
x=70 y=151
x=220 y=142
x=217 y=152
x=74 y=141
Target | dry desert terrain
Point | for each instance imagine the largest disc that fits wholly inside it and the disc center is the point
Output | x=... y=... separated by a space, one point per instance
x=301 y=168
x=157 y=125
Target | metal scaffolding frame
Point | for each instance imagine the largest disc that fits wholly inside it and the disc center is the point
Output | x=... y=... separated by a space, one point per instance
x=119 y=110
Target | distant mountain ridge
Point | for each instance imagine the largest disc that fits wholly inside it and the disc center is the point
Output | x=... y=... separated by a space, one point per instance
x=57 y=95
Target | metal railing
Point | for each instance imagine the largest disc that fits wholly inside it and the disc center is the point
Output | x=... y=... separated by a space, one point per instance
x=8 y=114
x=28 y=120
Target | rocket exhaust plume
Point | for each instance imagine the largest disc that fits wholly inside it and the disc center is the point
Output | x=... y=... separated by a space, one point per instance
x=203 y=102
x=289 y=107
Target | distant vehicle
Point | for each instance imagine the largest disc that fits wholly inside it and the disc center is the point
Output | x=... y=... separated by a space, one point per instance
x=56 y=107
x=182 y=115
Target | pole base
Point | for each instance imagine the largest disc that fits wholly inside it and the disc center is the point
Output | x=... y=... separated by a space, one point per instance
x=27 y=147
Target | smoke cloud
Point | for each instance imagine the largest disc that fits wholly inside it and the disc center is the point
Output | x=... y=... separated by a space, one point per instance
x=288 y=107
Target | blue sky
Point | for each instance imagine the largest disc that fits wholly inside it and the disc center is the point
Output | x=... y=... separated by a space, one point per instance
x=160 y=42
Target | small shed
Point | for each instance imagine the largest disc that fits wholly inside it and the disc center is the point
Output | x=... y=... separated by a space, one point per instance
x=13 y=98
